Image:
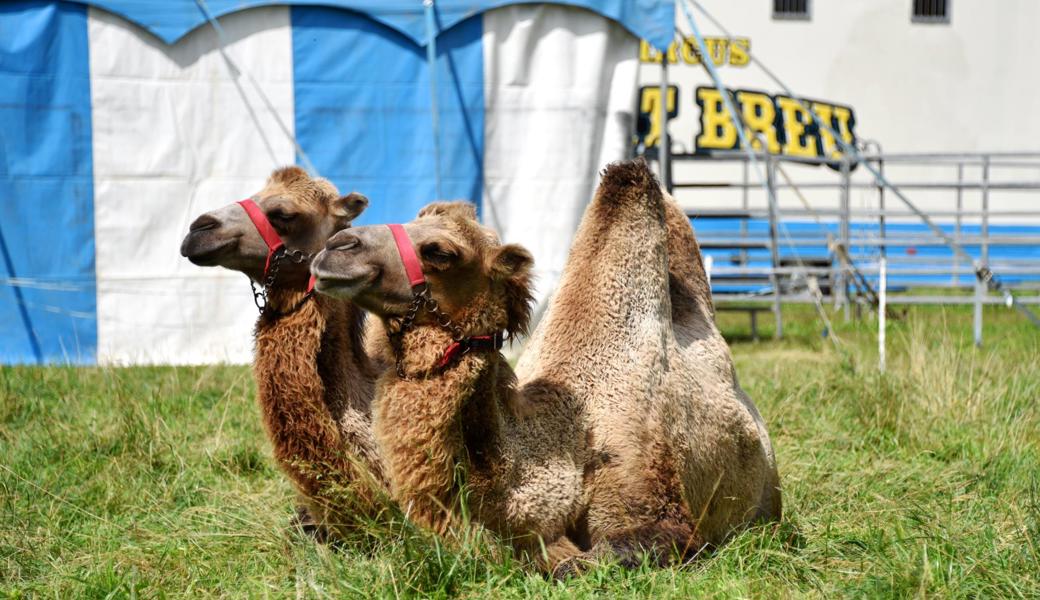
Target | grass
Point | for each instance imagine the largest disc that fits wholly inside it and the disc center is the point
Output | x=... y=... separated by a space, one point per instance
x=158 y=482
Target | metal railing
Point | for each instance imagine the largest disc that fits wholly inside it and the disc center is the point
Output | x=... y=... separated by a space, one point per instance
x=834 y=256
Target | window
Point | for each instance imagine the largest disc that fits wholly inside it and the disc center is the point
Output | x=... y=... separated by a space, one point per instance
x=791 y=9
x=931 y=11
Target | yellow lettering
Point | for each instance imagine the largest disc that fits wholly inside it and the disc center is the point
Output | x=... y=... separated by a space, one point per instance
x=717 y=130
x=650 y=98
x=690 y=54
x=839 y=119
x=717 y=49
x=845 y=123
x=739 y=52
x=798 y=142
x=648 y=53
x=826 y=114
x=759 y=115
x=673 y=53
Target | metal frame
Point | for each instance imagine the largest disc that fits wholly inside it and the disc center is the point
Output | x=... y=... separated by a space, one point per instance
x=867 y=252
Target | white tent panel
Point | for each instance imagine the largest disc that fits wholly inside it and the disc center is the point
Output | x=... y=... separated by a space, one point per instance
x=560 y=86
x=174 y=137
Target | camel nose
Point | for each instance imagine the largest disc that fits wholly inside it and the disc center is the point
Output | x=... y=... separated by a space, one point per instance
x=203 y=223
x=344 y=240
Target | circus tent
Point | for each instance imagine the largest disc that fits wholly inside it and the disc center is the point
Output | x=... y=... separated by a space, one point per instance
x=121 y=120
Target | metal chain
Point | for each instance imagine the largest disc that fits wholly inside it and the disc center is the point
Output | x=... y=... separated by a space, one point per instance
x=421 y=299
x=295 y=256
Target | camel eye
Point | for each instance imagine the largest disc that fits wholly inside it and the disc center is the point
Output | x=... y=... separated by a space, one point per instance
x=281 y=217
x=437 y=254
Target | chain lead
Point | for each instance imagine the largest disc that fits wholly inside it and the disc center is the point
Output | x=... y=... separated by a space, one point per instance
x=260 y=296
x=421 y=299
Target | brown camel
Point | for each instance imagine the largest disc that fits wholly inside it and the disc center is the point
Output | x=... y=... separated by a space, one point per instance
x=608 y=452
x=314 y=381
x=699 y=429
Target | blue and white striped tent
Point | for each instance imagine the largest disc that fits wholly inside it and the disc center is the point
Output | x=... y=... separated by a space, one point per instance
x=121 y=120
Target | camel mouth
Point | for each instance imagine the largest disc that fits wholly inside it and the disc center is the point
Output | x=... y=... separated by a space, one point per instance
x=336 y=284
x=205 y=252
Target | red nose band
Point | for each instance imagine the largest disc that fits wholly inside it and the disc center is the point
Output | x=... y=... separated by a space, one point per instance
x=267 y=232
x=412 y=266
x=264 y=228
x=421 y=298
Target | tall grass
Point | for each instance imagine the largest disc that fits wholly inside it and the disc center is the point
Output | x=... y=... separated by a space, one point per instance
x=152 y=482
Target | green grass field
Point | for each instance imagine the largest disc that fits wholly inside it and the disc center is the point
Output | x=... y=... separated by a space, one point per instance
x=153 y=482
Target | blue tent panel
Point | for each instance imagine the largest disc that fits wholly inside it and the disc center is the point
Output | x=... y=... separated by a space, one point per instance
x=47 y=290
x=362 y=95
x=169 y=20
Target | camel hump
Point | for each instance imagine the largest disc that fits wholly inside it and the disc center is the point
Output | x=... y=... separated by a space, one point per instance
x=621 y=179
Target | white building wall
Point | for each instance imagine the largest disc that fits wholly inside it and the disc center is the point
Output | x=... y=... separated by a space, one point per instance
x=966 y=86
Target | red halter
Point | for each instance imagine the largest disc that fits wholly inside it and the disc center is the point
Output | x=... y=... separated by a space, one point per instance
x=421 y=298
x=266 y=231
x=412 y=266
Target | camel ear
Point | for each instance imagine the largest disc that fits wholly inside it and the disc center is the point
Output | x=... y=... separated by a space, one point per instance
x=459 y=209
x=511 y=265
x=349 y=207
x=509 y=261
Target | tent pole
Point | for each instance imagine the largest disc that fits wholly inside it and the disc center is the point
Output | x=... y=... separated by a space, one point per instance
x=435 y=118
x=664 y=144
x=23 y=310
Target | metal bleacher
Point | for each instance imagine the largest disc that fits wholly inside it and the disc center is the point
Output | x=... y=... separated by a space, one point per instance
x=825 y=248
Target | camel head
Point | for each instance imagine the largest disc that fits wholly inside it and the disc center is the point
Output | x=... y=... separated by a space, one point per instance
x=480 y=283
x=303 y=210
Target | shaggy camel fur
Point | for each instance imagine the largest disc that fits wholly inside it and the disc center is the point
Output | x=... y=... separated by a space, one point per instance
x=314 y=381
x=586 y=458
x=652 y=373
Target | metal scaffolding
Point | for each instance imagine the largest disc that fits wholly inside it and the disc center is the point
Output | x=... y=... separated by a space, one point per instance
x=844 y=256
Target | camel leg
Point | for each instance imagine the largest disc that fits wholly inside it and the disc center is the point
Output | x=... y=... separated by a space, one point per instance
x=662 y=542
x=693 y=316
x=311 y=527
x=562 y=558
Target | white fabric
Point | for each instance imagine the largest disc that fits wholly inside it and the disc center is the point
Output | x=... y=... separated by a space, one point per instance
x=559 y=90
x=174 y=138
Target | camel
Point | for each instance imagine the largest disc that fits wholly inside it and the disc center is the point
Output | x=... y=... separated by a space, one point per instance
x=622 y=442
x=314 y=380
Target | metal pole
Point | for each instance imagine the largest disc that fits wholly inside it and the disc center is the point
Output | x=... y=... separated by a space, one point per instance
x=882 y=311
x=881 y=206
x=664 y=144
x=23 y=308
x=980 y=287
x=957 y=223
x=435 y=117
x=843 y=289
x=744 y=205
x=774 y=245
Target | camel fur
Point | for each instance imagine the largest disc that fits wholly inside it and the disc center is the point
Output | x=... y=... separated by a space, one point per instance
x=629 y=435
x=631 y=331
x=314 y=380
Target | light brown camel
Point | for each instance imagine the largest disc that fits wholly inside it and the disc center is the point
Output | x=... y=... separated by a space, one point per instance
x=609 y=452
x=714 y=441
x=314 y=381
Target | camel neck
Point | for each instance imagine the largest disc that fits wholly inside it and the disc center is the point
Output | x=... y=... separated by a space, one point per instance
x=283 y=301
x=429 y=426
x=324 y=334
